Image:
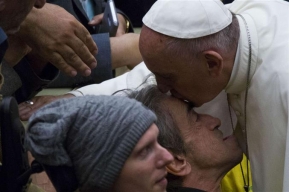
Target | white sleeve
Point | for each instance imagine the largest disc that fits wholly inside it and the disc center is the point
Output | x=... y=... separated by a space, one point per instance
x=129 y=80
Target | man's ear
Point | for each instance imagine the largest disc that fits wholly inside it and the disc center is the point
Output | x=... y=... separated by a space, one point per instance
x=214 y=62
x=180 y=166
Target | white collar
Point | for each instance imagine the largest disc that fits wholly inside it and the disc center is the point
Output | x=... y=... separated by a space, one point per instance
x=238 y=79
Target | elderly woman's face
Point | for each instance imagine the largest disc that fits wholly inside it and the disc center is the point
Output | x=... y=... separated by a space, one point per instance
x=145 y=169
x=207 y=146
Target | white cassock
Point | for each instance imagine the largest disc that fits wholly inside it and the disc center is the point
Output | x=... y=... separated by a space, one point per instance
x=267 y=23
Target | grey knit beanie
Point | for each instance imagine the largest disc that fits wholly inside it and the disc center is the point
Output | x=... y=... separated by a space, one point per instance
x=94 y=134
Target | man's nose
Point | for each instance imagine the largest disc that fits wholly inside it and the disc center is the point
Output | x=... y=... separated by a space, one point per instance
x=165 y=157
x=39 y=3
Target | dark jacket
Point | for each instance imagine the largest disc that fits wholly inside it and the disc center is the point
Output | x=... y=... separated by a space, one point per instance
x=75 y=8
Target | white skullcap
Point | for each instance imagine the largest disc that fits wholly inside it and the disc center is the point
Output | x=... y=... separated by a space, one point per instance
x=187 y=18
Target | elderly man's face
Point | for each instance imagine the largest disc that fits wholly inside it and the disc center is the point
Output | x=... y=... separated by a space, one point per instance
x=145 y=169
x=207 y=147
x=13 y=12
x=184 y=78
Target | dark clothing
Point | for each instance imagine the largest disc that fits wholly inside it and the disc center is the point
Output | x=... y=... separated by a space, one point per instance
x=32 y=83
x=20 y=80
x=184 y=189
x=75 y=8
x=135 y=9
x=22 y=83
x=227 y=1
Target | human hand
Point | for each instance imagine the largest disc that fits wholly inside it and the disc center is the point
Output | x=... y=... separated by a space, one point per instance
x=26 y=109
x=60 y=39
x=121 y=30
x=17 y=49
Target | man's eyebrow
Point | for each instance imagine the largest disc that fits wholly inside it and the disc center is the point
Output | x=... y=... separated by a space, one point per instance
x=147 y=142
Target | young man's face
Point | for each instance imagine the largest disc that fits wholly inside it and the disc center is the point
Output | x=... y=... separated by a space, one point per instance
x=13 y=12
x=206 y=145
x=145 y=169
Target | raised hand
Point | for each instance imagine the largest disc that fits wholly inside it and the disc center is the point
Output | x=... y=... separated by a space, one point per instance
x=59 y=39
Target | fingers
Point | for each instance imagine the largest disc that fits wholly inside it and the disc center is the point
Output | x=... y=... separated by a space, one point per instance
x=62 y=40
x=79 y=53
x=96 y=20
x=70 y=61
x=89 y=42
x=121 y=30
x=26 y=109
x=85 y=47
x=58 y=61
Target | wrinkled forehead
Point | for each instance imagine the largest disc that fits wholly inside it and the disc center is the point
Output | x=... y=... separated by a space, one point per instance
x=151 y=39
x=155 y=55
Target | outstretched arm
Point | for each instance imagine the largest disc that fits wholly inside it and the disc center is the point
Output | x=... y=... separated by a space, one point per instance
x=59 y=39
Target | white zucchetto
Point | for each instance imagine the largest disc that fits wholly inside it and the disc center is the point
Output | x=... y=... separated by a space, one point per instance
x=187 y=18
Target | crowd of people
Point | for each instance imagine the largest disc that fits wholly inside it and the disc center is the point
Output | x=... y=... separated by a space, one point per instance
x=207 y=91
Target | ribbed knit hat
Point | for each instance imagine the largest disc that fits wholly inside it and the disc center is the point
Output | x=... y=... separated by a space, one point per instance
x=188 y=18
x=94 y=134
